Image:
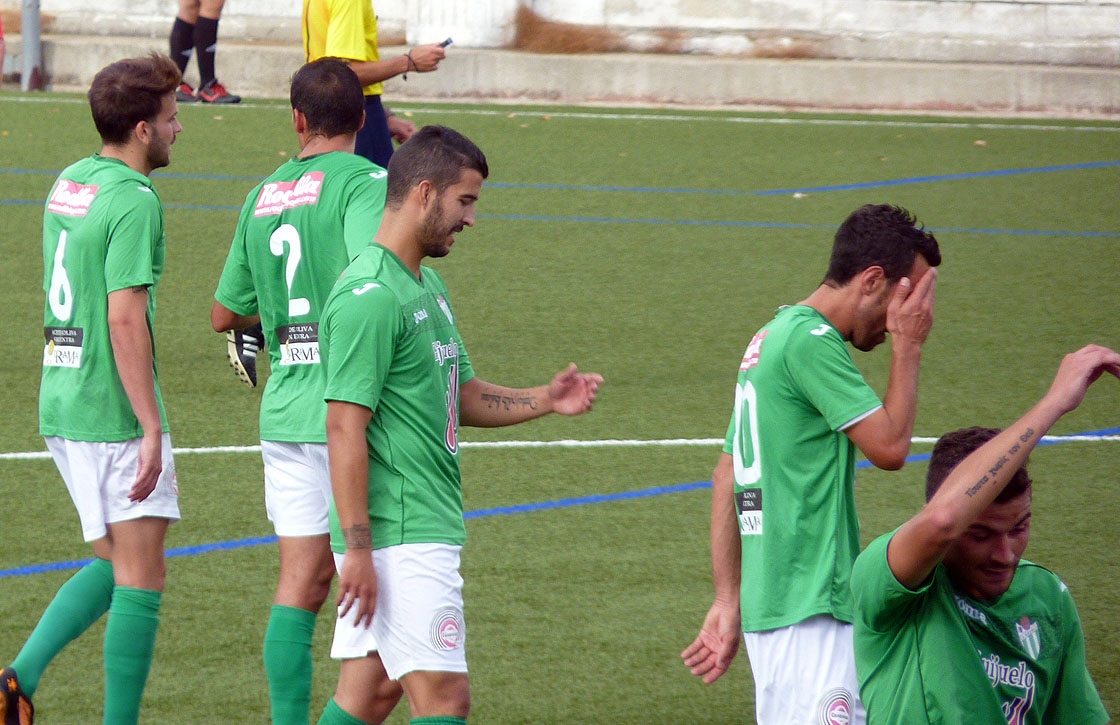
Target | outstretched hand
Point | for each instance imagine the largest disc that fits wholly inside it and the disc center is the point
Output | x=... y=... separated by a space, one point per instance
x=573 y=392
x=710 y=654
x=1078 y=371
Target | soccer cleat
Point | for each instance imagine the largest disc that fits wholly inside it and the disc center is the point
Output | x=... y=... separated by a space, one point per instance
x=15 y=705
x=185 y=94
x=215 y=92
x=242 y=347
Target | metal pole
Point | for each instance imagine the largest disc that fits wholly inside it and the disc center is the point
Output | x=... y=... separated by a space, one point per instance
x=31 y=78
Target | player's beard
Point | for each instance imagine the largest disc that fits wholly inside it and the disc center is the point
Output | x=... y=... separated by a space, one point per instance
x=159 y=154
x=435 y=232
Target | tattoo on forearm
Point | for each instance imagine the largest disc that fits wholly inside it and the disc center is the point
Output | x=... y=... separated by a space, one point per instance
x=358 y=537
x=1003 y=460
x=508 y=402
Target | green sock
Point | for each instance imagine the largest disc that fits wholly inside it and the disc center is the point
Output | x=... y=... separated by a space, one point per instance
x=130 y=639
x=287 y=662
x=438 y=720
x=79 y=603
x=335 y=715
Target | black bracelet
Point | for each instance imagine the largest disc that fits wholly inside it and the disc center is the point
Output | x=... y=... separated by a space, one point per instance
x=410 y=66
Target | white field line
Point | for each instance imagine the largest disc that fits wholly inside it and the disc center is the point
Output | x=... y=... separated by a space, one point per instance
x=711 y=116
x=607 y=443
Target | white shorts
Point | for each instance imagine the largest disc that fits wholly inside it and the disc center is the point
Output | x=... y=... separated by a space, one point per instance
x=805 y=674
x=418 y=621
x=100 y=475
x=297 y=487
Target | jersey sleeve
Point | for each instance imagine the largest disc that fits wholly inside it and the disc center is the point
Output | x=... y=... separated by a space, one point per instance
x=1075 y=697
x=236 y=291
x=882 y=603
x=134 y=231
x=822 y=368
x=365 y=206
x=361 y=325
x=346 y=36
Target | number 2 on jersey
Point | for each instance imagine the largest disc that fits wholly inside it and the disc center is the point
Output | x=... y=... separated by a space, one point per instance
x=288 y=234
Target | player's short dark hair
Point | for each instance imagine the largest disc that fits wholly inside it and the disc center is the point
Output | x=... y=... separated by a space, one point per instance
x=954 y=447
x=436 y=154
x=328 y=93
x=130 y=91
x=879 y=235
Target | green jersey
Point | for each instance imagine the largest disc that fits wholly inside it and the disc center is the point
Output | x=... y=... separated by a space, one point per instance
x=390 y=344
x=934 y=655
x=797 y=390
x=298 y=230
x=102 y=232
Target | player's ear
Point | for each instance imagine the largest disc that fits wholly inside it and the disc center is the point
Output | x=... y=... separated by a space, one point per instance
x=143 y=132
x=425 y=193
x=872 y=280
x=299 y=121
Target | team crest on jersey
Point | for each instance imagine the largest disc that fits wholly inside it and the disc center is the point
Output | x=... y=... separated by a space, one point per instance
x=71 y=199
x=278 y=196
x=445 y=307
x=750 y=357
x=1027 y=631
x=835 y=708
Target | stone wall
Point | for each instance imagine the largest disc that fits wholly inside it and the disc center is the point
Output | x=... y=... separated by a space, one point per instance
x=1062 y=32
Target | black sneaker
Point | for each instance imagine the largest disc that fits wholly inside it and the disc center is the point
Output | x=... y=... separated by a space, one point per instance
x=215 y=92
x=185 y=94
x=15 y=705
x=242 y=347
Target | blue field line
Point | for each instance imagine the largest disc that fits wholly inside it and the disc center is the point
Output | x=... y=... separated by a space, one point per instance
x=781 y=225
x=474 y=514
x=673 y=222
x=931 y=178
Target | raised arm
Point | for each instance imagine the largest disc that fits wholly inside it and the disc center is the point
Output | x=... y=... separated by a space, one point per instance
x=884 y=436
x=973 y=485
x=486 y=405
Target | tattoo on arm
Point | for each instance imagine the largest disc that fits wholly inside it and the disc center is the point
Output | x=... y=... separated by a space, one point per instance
x=358 y=537
x=1003 y=460
x=509 y=402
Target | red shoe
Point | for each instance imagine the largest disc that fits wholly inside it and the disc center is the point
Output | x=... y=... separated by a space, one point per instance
x=215 y=92
x=185 y=94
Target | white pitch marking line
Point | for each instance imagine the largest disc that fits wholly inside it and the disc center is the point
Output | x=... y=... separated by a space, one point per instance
x=606 y=443
x=711 y=116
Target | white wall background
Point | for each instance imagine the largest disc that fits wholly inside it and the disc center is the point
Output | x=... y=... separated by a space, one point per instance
x=1074 y=32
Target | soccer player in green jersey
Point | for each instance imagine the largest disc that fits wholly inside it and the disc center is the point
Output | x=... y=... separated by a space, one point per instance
x=298 y=230
x=399 y=384
x=100 y=408
x=952 y=626
x=784 y=532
